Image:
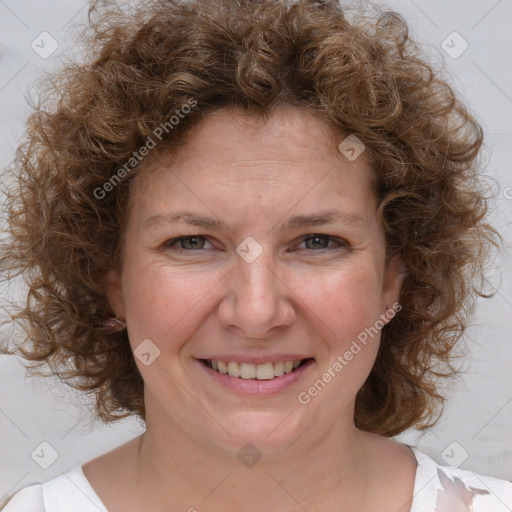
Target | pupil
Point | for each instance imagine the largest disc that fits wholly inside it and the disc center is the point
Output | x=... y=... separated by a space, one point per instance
x=193 y=242
x=318 y=240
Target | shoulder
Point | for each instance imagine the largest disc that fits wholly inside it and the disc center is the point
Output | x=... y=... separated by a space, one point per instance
x=445 y=489
x=28 y=499
x=69 y=492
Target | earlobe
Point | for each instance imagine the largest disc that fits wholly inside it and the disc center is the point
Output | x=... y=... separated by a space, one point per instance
x=114 y=292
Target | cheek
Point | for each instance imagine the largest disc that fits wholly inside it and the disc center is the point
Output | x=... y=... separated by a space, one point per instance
x=168 y=305
x=344 y=309
x=162 y=304
x=345 y=301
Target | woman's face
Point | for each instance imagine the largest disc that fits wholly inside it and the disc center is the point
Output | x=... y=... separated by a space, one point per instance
x=262 y=275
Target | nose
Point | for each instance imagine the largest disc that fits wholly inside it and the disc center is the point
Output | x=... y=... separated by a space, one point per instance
x=257 y=301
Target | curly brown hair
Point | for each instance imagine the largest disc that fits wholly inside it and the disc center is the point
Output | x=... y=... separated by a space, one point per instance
x=362 y=76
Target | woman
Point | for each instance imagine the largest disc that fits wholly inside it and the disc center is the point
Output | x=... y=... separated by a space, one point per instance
x=260 y=228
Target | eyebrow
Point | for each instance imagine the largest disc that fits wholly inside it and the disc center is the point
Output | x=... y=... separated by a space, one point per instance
x=298 y=221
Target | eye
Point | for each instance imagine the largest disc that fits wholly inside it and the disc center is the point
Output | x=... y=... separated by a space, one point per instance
x=188 y=243
x=317 y=242
x=320 y=242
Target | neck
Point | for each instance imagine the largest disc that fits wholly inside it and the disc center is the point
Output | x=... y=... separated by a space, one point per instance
x=324 y=470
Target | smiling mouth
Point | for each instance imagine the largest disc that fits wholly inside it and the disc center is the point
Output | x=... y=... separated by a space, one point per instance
x=265 y=371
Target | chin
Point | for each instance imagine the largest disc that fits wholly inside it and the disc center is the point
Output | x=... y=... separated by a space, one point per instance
x=269 y=432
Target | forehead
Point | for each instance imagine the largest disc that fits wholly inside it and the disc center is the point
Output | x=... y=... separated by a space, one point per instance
x=292 y=157
x=288 y=134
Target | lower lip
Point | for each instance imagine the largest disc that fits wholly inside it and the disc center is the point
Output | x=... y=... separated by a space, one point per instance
x=257 y=387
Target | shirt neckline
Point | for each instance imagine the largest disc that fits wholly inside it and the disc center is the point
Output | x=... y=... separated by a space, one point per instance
x=424 y=476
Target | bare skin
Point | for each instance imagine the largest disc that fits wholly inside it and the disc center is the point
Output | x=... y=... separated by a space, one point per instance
x=294 y=301
x=115 y=477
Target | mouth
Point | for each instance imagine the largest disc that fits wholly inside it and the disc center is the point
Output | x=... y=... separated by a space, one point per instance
x=248 y=371
x=255 y=375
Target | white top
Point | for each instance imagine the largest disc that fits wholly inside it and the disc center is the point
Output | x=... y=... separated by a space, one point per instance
x=436 y=489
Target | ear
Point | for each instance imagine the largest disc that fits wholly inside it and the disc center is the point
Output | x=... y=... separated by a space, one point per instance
x=114 y=291
x=392 y=285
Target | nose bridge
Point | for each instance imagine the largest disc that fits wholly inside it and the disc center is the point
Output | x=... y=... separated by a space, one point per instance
x=257 y=279
x=257 y=301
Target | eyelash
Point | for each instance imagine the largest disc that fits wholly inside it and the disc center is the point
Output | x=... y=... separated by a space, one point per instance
x=341 y=244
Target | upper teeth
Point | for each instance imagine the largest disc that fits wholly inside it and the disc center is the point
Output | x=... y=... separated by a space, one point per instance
x=265 y=371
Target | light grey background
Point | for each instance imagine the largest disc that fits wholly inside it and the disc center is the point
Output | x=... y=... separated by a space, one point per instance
x=475 y=429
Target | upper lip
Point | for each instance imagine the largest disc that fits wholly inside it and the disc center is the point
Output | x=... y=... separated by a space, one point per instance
x=260 y=359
